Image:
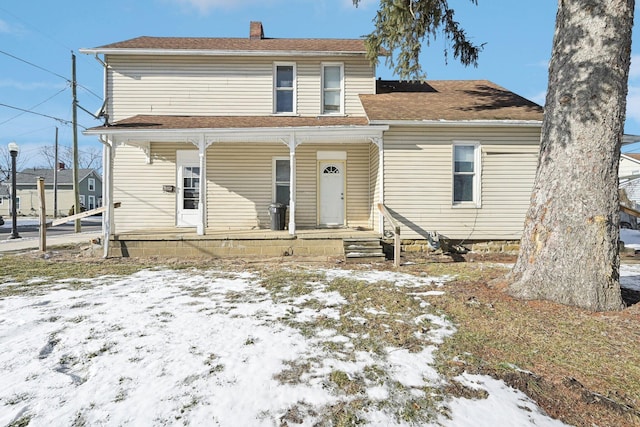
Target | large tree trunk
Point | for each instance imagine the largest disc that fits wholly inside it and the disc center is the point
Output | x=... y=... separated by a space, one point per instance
x=569 y=250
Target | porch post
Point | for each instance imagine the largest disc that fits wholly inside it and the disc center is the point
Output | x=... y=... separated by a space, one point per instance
x=292 y=185
x=108 y=226
x=379 y=143
x=202 y=196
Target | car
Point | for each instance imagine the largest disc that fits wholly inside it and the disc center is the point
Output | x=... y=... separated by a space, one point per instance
x=628 y=221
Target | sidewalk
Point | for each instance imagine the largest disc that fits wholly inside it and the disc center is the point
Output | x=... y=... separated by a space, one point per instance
x=33 y=243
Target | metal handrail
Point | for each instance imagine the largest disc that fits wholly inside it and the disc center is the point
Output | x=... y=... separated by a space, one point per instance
x=396 y=233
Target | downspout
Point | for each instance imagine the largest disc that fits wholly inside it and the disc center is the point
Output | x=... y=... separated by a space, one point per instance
x=107 y=193
x=379 y=143
x=292 y=184
x=202 y=188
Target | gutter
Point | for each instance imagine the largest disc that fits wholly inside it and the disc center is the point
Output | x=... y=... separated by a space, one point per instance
x=211 y=52
x=460 y=123
x=237 y=131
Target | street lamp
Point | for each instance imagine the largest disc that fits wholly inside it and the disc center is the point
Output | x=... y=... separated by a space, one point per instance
x=13 y=150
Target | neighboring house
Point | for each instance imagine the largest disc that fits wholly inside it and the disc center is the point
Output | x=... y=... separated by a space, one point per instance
x=5 y=203
x=27 y=203
x=208 y=132
x=629 y=173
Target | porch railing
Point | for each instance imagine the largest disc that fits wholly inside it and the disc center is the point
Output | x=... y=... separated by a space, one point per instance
x=396 y=233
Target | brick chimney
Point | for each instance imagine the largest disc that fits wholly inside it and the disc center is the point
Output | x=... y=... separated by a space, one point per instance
x=255 y=30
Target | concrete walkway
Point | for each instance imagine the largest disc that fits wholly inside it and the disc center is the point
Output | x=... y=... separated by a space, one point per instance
x=33 y=243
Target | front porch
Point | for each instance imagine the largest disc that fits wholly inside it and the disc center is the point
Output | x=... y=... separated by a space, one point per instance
x=177 y=242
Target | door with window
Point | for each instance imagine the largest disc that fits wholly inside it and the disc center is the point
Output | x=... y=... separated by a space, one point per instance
x=188 y=188
x=332 y=197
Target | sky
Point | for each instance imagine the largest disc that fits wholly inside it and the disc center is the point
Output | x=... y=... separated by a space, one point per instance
x=37 y=38
x=253 y=360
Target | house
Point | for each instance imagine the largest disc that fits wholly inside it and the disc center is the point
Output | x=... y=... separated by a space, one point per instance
x=207 y=133
x=4 y=198
x=27 y=201
x=629 y=174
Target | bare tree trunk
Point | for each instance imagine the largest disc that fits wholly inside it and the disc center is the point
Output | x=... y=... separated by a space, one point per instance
x=569 y=250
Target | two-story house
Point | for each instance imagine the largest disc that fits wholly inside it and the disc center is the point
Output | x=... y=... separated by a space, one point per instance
x=27 y=199
x=208 y=132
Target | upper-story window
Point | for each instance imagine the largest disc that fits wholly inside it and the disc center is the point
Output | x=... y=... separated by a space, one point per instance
x=91 y=183
x=284 y=86
x=332 y=88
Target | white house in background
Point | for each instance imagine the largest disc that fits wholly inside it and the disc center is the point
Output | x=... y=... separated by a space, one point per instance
x=208 y=132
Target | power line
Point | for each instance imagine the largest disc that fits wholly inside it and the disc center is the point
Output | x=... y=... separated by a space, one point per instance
x=50 y=72
x=36 y=66
x=63 y=121
x=35 y=106
x=89 y=90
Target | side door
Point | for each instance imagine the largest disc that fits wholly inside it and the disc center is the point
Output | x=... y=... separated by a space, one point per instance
x=188 y=188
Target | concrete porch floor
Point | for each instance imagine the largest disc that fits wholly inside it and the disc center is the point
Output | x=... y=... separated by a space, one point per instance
x=179 y=242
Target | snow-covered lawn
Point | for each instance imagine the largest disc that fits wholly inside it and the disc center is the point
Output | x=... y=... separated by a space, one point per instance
x=205 y=348
x=165 y=347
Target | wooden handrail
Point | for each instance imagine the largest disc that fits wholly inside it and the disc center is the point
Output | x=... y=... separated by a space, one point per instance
x=396 y=233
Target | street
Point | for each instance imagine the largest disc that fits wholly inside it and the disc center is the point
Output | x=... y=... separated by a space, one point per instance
x=28 y=227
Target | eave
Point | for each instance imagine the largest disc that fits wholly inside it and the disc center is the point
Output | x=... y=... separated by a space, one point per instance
x=460 y=123
x=212 y=52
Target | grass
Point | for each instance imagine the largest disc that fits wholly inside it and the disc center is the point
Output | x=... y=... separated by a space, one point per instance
x=544 y=349
x=580 y=367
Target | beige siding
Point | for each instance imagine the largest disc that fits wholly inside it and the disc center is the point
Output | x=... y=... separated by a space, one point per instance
x=29 y=202
x=374 y=190
x=239 y=185
x=180 y=85
x=418 y=181
x=138 y=186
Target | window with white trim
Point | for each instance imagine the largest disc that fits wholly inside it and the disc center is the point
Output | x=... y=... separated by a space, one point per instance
x=91 y=183
x=466 y=174
x=284 y=88
x=332 y=88
x=281 y=180
x=81 y=199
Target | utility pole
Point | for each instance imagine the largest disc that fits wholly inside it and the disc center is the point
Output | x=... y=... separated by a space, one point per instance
x=76 y=194
x=55 y=177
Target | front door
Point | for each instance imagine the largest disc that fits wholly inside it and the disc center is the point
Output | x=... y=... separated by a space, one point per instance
x=188 y=186
x=332 y=193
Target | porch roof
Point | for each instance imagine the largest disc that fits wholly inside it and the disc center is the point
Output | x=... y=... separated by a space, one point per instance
x=154 y=122
x=267 y=128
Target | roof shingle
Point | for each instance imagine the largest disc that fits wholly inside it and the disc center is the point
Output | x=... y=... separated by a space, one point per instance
x=455 y=100
x=239 y=44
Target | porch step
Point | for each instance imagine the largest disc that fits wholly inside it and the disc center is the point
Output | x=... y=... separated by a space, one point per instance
x=363 y=250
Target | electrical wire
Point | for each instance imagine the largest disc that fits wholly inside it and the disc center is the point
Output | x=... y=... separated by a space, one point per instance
x=63 y=121
x=36 y=66
x=34 y=107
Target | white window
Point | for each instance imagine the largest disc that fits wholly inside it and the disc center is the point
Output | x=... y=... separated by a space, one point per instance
x=466 y=174
x=81 y=197
x=332 y=88
x=284 y=88
x=17 y=203
x=281 y=180
x=91 y=182
x=92 y=202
